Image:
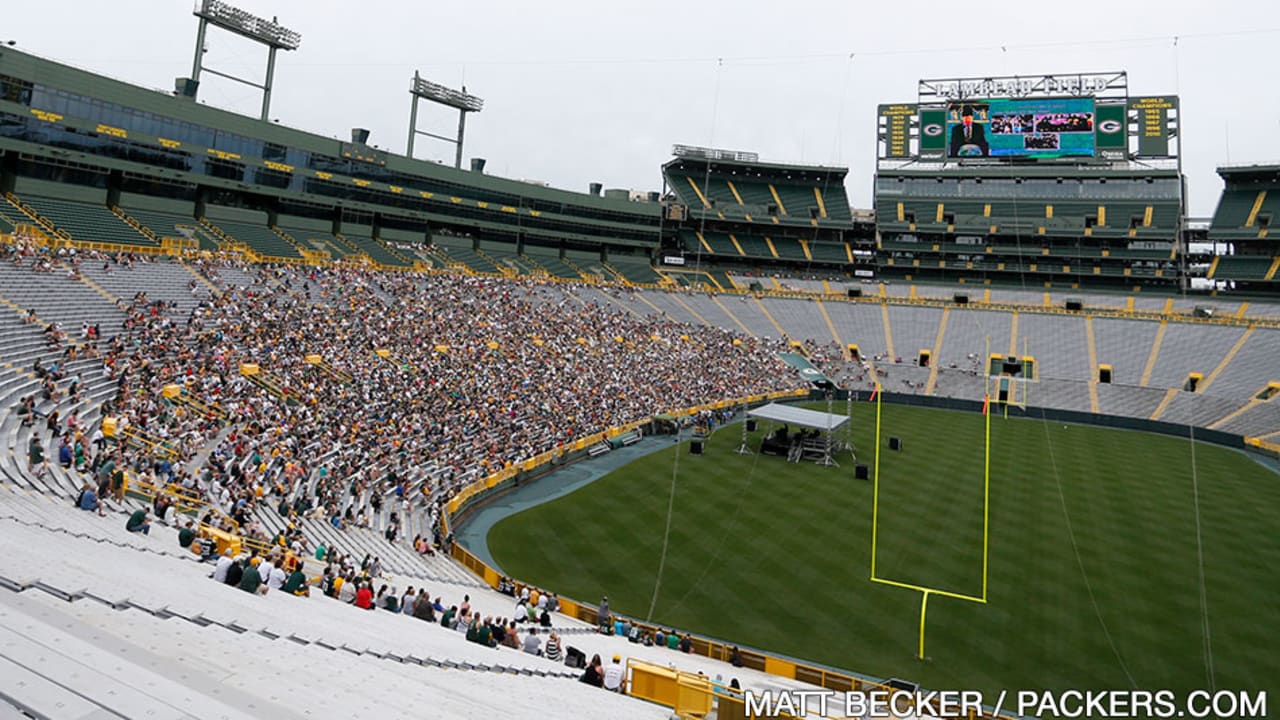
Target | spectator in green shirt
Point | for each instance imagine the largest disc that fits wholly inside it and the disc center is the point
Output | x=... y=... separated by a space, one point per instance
x=187 y=534
x=297 y=583
x=251 y=580
x=138 y=522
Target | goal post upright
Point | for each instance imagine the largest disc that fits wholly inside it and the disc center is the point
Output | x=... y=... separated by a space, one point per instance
x=875 y=489
x=986 y=504
x=924 y=606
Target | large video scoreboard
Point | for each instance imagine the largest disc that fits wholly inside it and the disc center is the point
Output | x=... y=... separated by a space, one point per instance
x=1073 y=118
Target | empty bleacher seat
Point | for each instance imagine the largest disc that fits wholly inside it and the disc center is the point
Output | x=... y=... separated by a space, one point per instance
x=88 y=222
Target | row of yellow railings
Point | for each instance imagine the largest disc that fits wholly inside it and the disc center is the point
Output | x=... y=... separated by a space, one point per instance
x=186 y=502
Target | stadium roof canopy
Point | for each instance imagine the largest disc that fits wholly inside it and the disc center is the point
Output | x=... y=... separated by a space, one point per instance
x=799 y=416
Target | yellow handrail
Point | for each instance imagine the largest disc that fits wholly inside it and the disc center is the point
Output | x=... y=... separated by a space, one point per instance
x=148 y=441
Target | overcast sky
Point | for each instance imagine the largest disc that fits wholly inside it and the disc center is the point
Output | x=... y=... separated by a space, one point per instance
x=580 y=91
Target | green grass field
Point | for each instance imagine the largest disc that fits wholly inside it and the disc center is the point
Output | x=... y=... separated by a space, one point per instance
x=777 y=556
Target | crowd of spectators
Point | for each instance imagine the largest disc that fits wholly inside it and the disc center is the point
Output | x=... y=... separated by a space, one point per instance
x=427 y=383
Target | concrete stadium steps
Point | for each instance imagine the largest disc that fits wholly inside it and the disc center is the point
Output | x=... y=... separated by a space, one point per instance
x=960 y=384
x=747 y=309
x=233 y=277
x=1191 y=348
x=1152 y=303
x=1256 y=364
x=801 y=284
x=914 y=329
x=57 y=514
x=323 y=681
x=1062 y=394
x=800 y=319
x=998 y=294
x=859 y=324
x=396 y=558
x=712 y=311
x=1125 y=345
x=971 y=333
x=57 y=298
x=903 y=378
x=1261 y=419
x=165 y=607
x=24 y=345
x=589 y=295
x=1197 y=409
x=60 y=667
x=1112 y=301
x=671 y=306
x=1128 y=400
x=167 y=281
x=182 y=667
x=1058 y=343
x=616 y=300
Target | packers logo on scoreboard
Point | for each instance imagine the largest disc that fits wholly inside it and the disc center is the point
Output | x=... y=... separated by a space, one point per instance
x=933 y=129
x=1109 y=127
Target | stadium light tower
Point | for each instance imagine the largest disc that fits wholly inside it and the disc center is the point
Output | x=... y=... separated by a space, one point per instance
x=459 y=100
x=232 y=19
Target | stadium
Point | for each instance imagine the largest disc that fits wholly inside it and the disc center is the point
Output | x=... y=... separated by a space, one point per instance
x=727 y=445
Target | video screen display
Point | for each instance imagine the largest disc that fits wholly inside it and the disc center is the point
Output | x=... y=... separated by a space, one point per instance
x=1032 y=128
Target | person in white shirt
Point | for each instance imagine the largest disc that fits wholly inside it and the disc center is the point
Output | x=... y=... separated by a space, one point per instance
x=277 y=578
x=614 y=675
x=265 y=568
x=220 y=570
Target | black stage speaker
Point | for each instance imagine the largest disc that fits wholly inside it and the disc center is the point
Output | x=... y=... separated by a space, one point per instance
x=751 y=424
x=895 y=443
x=861 y=472
x=695 y=447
